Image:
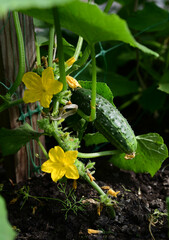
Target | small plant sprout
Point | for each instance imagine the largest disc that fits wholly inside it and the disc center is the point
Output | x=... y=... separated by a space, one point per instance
x=154 y=218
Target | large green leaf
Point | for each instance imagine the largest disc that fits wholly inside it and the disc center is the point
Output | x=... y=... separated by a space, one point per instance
x=118 y=84
x=11 y=140
x=151 y=18
x=88 y=21
x=150 y=154
x=102 y=89
x=6 y=231
x=152 y=99
x=13 y=5
x=164 y=83
x=94 y=139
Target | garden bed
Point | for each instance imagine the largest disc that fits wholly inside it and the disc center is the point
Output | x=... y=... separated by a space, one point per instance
x=140 y=196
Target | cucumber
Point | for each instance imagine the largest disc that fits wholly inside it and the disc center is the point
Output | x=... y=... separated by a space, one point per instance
x=109 y=121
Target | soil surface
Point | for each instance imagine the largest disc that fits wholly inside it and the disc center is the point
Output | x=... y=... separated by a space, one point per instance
x=140 y=207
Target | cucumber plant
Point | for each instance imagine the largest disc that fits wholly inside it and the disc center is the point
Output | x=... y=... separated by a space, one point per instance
x=59 y=105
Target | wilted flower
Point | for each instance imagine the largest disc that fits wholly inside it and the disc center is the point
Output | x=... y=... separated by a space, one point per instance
x=70 y=61
x=72 y=82
x=112 y=192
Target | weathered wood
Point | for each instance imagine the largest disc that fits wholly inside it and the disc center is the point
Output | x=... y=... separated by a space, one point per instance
x=17 y=166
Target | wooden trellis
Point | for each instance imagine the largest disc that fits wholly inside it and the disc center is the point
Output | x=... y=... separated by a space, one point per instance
x=18 y=166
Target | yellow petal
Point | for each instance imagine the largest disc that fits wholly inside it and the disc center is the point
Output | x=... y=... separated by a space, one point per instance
x=54 y=87
x=72 y=172
x=70 y=156
x=47 y=75
x=14 y=200
x=72 y=82
x=105 y=187
x=92 y=231
x=45 y=100
x=112 y=192
x=90 y=176
x=56 y=154
x=32 y=80
x=70 y=61
x=74 y=184
x=57 y=174
x=47 y=166
x=31 y=96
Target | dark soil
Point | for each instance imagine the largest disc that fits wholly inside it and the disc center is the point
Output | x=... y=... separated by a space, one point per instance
x=140 y=195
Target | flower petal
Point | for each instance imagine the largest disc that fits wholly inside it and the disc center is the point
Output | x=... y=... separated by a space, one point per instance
x=70 y=61
x=72 y=172
x=72 y=82
x=57 y=174
x=47 y=166
x=54 y=87
x=70 y=156
x=31 y=96
x=56 y=154
x=32 y=80
x=45 y=100
x=47 y=75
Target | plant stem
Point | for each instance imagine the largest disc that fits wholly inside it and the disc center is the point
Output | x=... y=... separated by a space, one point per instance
x=104 y=197
x=51 y=44
x=128 y=103
x=94 y=185
x=82 y=172
x=42 y=148
x=100 y=191
x=38 y=59
x=85 y=56
x=10 y=104
x=108 y=6
x=60 y=142
x=93 y=98
x=78 y=48
x=21 y=54
x=60 y=49
x=97 y=154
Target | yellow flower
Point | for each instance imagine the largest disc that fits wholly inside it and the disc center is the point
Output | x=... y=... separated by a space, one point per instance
x=70 y=61
x=72 y=82
x=61 y=163
x=41 y=88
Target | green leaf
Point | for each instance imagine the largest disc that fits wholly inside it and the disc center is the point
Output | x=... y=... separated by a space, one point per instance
x=151 y=18
x=42 y=37
x=150 y=154
x=164 y=83
x=6 y=231
x=102 y=89
x=118 y=84
x=12 y=5
x=88 y=21
x=68 y=48
x=11 y=140
x=94 y=139
x=152 y=99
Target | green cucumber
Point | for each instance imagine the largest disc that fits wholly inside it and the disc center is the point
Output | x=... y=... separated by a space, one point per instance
x=109 y=121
